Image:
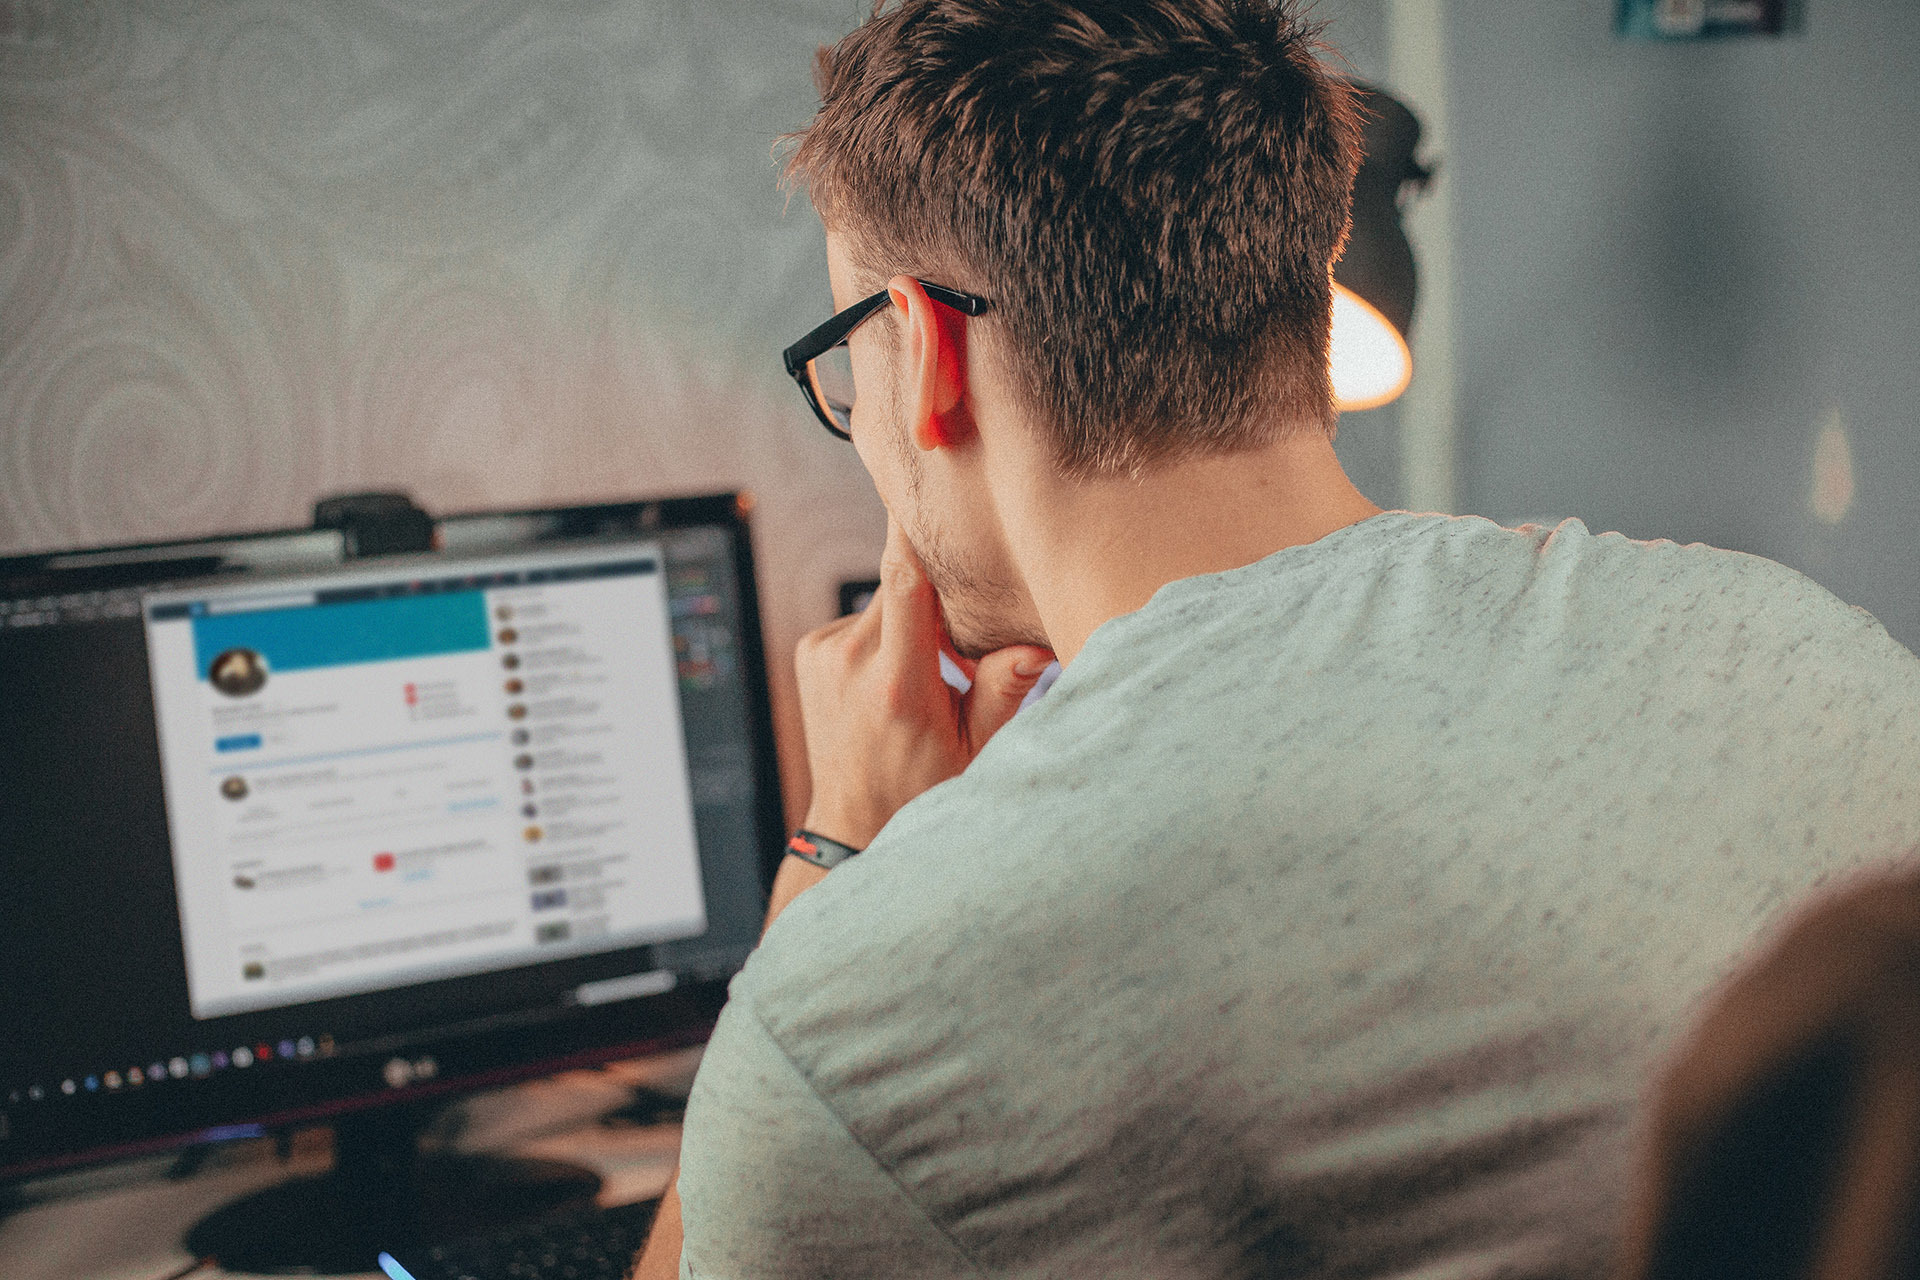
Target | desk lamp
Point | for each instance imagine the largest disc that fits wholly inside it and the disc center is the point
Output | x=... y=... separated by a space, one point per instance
x=1373 y=283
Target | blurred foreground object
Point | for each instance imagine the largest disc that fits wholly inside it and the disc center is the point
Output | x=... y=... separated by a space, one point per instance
x=1374 y=282
x=1784 y=1137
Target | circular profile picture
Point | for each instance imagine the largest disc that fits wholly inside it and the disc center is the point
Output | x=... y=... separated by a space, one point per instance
x=510 y=661
x=504 y=613
x=520 y=737
x=234 y=787
x=508 y=635
x=518 y=711
x=526 y=786
x=515 y=685
x=533 y=835
x=523 y=761
x=238 y=672
x=530 y=810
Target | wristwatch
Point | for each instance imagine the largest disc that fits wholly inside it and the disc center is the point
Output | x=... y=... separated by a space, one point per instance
x=818 y=849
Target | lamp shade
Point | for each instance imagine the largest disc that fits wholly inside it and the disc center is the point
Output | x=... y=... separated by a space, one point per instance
x=1372 y=363
x=1374 y=281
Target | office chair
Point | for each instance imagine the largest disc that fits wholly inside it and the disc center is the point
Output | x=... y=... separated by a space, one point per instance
x=1783 y=1138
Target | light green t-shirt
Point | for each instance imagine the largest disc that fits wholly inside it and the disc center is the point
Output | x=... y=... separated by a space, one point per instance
x=1324 y=919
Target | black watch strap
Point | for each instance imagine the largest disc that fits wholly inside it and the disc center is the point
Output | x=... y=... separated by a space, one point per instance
x=817 y=849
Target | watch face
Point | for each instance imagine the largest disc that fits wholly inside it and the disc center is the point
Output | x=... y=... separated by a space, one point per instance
x=819 y=850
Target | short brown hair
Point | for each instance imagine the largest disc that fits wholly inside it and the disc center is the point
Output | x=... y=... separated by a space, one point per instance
x=1150 y=192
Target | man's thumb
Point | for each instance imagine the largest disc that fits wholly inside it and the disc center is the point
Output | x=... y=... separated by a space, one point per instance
x=1001 y=680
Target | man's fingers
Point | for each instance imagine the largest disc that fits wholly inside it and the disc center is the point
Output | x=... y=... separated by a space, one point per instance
x=909 y=610
x=1001 y=680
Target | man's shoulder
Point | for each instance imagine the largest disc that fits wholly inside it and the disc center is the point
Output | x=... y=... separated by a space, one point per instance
x=1441 y=561
x=1719 y=605
x=1468 y=579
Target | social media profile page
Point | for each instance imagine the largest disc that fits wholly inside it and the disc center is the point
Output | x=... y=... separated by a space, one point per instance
x=379 y=778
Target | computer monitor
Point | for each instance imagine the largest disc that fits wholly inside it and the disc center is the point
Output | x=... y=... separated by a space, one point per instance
x=290 y=835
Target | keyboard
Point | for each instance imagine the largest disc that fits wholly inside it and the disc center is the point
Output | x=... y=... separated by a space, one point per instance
x=592 y=1244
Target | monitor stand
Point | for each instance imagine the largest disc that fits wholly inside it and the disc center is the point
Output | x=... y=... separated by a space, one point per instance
x=382 y=1191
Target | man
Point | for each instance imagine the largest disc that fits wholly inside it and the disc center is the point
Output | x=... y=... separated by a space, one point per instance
x=1325 y=915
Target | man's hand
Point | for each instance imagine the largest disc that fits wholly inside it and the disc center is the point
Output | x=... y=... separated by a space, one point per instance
x=881 y=724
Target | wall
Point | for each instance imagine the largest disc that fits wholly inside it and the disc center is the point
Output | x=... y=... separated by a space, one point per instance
x=1689 y=292
x=253 y=252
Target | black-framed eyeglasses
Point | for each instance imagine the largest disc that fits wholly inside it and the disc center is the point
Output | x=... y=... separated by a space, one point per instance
x=820 y=364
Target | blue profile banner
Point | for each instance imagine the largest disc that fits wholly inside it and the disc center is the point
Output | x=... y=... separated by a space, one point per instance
x=340 y=634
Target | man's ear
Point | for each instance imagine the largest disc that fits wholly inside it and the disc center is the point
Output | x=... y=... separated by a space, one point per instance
x=933 y=367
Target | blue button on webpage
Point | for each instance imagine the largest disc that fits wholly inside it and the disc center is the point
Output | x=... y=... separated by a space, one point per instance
x=238 y=742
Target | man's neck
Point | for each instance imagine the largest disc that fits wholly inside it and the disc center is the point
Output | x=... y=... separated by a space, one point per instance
x=1093 y=550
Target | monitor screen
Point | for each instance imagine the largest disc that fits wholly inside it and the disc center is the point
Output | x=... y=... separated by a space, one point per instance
x=313 y=834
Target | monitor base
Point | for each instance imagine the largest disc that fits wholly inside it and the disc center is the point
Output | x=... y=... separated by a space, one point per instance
x=381 y=1193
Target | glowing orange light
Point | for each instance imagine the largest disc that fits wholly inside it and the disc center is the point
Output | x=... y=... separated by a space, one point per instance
x=1371 y=362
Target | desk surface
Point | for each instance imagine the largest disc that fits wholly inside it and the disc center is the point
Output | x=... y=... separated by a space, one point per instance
x=125 y=1222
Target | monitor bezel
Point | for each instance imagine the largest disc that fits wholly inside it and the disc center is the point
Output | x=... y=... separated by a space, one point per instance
x=488 y=1059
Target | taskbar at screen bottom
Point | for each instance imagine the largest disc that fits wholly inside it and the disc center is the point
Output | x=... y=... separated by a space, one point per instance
x=239 y=1090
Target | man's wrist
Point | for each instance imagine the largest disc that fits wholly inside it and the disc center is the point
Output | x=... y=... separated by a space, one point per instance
x=840 y=826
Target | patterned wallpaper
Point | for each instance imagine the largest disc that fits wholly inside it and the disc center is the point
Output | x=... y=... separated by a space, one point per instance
x=493 y=252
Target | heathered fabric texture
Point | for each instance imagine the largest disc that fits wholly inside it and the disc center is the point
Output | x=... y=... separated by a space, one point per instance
x=1324 y=919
